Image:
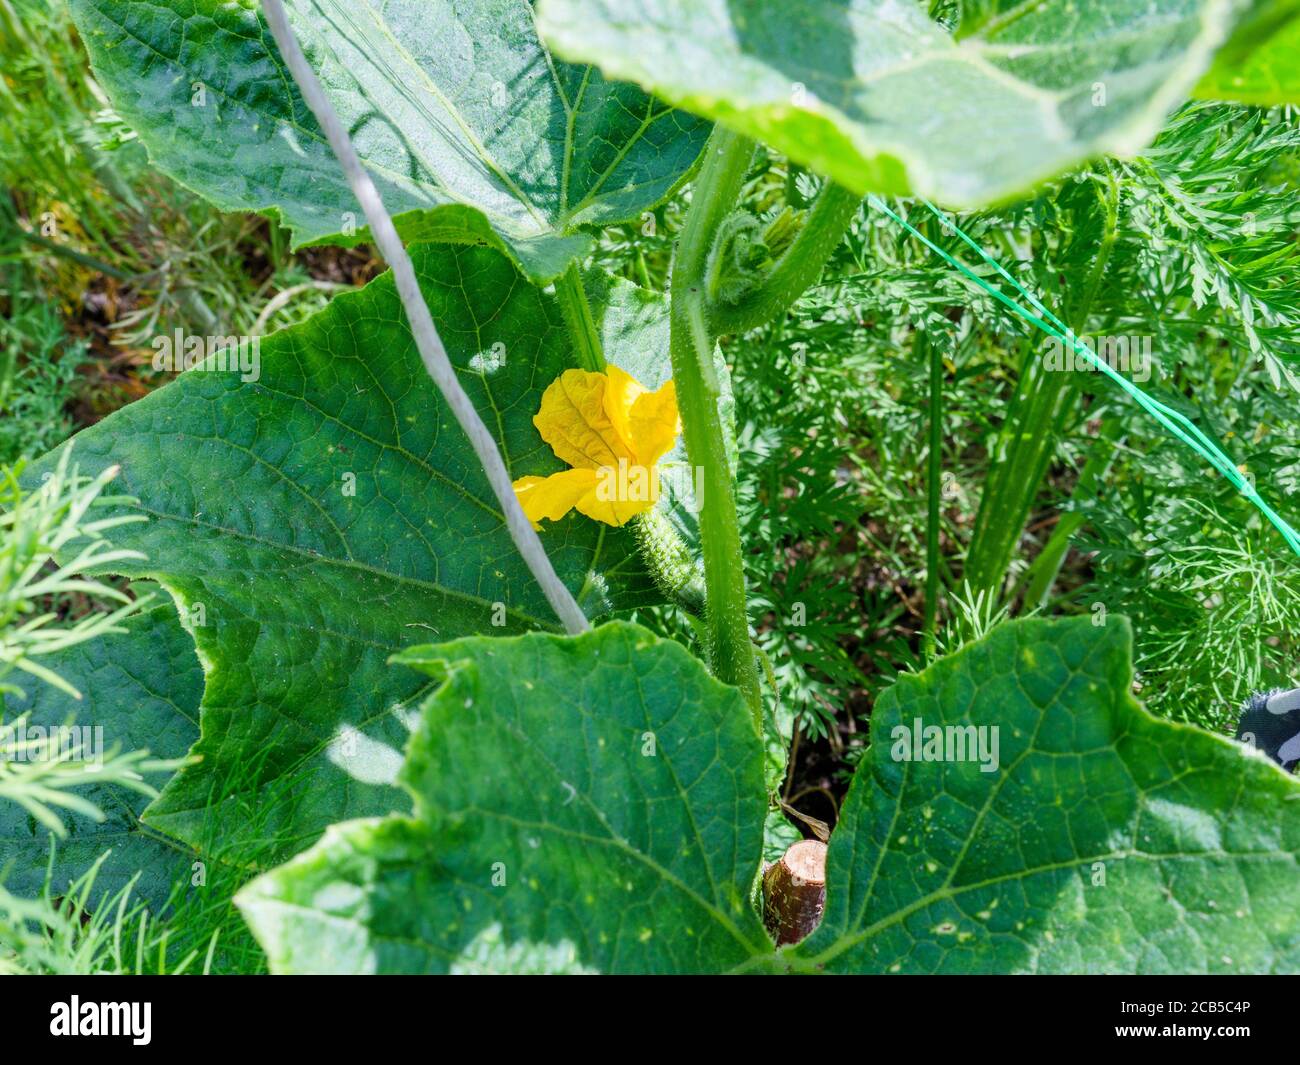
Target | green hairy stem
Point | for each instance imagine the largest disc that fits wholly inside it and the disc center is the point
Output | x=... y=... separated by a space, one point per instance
x=731 y=652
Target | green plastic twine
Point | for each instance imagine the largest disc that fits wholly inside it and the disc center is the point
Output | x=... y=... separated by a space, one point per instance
x=1174 y=422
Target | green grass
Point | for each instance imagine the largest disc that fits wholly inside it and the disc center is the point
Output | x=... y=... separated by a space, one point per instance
x=92 y=235
x=39 y=380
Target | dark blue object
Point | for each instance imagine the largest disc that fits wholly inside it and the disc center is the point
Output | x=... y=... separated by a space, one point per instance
x=1270 y=722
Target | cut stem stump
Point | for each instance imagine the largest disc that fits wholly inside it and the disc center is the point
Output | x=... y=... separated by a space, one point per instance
x=794 y=892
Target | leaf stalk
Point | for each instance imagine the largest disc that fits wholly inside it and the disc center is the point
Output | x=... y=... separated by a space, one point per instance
x=578 y=317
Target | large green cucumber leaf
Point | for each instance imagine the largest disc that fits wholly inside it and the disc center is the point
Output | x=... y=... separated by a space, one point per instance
x=878 y=97
x=1261 y=63
x=600 y=797
x=471 y=131
x=142 y=688
x=1105 y=841
x=314 y=521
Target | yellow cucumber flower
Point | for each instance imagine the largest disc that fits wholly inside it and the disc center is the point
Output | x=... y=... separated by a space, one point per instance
x=613 y=433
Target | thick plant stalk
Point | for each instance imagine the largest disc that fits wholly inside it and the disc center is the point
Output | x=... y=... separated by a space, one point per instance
x=794 y=892
x=433 y=354
x=731 y=652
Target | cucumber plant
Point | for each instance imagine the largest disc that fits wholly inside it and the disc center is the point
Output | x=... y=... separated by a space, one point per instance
x=387 y=707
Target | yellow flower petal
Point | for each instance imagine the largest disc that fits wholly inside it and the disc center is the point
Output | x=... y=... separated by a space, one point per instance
x=654 y=424
x=613 y=433
x=622 y=390
x=621 y=492
x=554 y=496
x=573 y=420
x=613 y=495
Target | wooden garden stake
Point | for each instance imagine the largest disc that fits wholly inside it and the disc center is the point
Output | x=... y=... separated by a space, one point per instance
x=794 y=892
